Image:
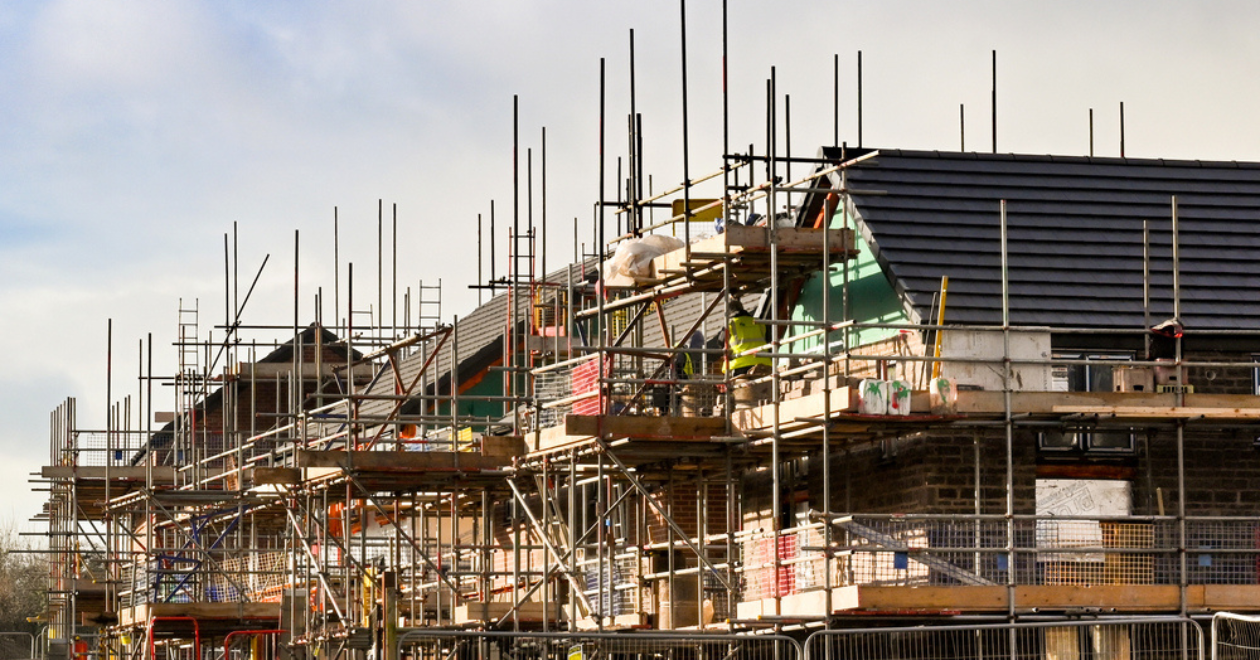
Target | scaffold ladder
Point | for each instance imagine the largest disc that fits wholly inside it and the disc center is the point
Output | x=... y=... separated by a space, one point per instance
x=187 y=381
x=429 y=305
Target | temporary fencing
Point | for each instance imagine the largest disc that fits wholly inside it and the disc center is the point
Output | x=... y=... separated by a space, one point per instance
x=17 y=646
x=441 y=645
x=1235 y=636
x=1148 y=638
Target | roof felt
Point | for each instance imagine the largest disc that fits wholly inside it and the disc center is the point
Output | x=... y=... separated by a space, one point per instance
x=1074 y=228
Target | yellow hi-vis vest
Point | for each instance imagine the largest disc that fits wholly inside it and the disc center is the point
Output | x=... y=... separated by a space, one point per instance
x=744 y=335
x=688 y=366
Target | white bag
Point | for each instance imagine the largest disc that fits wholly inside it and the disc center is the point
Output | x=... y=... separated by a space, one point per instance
x=899 y=396
x=634 y=257
x=873 y=398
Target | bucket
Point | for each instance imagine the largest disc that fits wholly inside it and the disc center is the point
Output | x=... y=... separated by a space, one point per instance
x=697 y=400
x=742 y=393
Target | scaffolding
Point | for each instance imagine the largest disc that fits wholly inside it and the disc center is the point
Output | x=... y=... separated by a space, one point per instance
x=569 y=459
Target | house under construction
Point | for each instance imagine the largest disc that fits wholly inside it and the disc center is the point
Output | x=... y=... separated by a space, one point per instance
x=994 y=391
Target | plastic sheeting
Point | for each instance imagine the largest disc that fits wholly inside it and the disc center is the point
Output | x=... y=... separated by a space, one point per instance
x=634 y=257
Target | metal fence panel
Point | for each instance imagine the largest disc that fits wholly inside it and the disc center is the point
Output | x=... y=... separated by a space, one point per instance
x=883 y=550
x=17 y=646
x=1235 y=636
x=474 y=645
x=1154 y=638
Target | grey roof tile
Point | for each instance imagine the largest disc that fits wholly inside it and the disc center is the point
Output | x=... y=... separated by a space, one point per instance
x=1074 y=235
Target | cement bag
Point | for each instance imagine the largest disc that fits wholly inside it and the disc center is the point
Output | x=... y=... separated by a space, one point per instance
x=634 y=257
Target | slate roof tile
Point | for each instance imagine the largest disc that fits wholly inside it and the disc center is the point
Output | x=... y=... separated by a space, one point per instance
x=1074 y=235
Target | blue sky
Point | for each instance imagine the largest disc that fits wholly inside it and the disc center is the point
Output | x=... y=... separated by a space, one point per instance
x=134 y=134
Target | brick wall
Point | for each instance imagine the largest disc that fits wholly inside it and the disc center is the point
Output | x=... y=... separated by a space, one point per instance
x=1222 y=474
x=903 y=343
x=938 y=475
x=926 y=474
x=680 y=499
x=1220 y=380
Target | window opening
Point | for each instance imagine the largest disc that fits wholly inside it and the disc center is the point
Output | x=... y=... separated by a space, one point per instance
x=1093 y=372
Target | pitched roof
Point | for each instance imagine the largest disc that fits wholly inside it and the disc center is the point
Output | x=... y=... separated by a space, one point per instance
x=1074 y=236
x=283 y=353
x=480 y=345
x=331 y=342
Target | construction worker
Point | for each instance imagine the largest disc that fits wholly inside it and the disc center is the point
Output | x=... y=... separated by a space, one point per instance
x=681 y=367
x=744 y=334
x=689 y=362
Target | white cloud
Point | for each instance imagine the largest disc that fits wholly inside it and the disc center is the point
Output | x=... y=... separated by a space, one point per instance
x=136 y=133
x=82 y=46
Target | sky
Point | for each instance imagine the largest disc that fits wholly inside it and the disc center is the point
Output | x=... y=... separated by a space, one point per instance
x=135 y=135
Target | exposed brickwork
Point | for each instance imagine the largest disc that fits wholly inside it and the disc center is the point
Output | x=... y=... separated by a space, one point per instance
x=902 y=343
x=926 y=474
x=1222 y=474
x=936 y=474
x=683 y=506
x=1220 y=380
